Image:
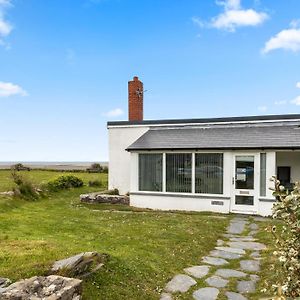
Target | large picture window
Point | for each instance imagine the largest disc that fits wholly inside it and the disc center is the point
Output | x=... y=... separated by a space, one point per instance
x=179 y=172
x=209 y=173
x=150 y=172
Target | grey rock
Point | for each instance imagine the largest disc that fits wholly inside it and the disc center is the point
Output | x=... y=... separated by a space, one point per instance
x=216 y=261
x=197 y=271
x=216 y=281
x=246 y=286
x=232 y=250
x=235 y=296
x=180 y=283
x=253 y=226
x=224 y=254
x=250 y=265
x=165 y=296
x=51 y=287
x=80 y=264
x=4 y=282
x=227 y=273
x=247 y=245
x=208 y=293
x=104 y=198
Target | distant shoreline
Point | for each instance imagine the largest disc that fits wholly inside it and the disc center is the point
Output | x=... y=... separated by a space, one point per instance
x=59 y=165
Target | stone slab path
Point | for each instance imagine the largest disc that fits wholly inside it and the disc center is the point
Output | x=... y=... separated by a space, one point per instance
x=211 y=278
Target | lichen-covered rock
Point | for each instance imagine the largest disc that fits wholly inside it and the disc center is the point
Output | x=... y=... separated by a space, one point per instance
x=80 y=265
x=104 y=198
x=44 y=288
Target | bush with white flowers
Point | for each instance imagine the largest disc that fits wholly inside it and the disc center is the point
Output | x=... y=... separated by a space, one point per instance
x=287 y=209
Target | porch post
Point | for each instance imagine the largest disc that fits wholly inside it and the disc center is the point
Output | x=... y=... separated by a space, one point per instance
x=270 y=171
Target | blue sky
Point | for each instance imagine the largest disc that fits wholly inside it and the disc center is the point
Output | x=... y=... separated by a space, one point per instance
x=64 y=67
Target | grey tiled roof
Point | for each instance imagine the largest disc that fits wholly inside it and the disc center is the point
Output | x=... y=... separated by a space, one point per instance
x=247 y=137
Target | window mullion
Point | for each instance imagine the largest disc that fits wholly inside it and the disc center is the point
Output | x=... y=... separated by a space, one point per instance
x=193 y=173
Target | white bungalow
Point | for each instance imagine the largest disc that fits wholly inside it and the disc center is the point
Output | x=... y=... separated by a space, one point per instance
x=220 y=164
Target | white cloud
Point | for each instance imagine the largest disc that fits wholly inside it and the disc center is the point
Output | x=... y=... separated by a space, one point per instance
x=281 y=102
x=287 y=39
x=8 y=89
x=5 y=26
x=234 y=16
x=198 y=22
x=298 y=85
x=296 y=101
x=114 y=113
x=262 y=108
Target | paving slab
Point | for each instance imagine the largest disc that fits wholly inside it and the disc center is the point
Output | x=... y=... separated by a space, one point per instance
x=166 y=296
x=216 y=261
x=253 y=226
x=208 y=293
x=243 y=239
x=253 y=232
x=232 y=249
x=246 y=286
x=224 y=254
x=255 y=254
x=261 y=219
x=220 y=242
x=197 y=271
x=236 y=226
x=254 y=277
x=235 y=296
x=250 y=265
x=227 y=273
x=216 y=281
x=180 y=283
x=247 y=245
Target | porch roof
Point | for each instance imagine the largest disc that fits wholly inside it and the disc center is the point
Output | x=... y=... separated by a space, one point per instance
x=211 y=138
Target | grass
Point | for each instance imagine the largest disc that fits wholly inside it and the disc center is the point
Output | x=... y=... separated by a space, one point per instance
x=146 y=248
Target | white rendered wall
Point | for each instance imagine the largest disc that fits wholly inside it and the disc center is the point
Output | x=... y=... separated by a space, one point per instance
x=179 y=202
x=290 y=159
x=120 y=138
x=266 y=203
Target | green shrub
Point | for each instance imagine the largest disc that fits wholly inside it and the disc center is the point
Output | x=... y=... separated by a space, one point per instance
x=64 y=182
x=97 y=183
x=24 y=188
x=287 y=209
x=20 y=167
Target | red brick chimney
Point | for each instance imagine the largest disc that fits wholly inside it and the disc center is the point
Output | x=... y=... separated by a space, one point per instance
x=135 y=100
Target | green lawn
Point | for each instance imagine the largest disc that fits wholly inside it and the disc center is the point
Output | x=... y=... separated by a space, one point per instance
x=146 y=248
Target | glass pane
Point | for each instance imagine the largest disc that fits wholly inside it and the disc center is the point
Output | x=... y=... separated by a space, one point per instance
x=263 y=175
x=150 y=172
x=209 y=173
x=244 y=200
x=244 y=172
x=179 y=172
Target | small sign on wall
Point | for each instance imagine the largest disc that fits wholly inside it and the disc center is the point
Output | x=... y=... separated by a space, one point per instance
x=217 y=203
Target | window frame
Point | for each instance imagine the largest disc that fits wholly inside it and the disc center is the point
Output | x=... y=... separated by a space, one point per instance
x=164 y=172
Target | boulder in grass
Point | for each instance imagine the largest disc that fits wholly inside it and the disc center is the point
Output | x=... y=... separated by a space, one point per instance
x=80 y=265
